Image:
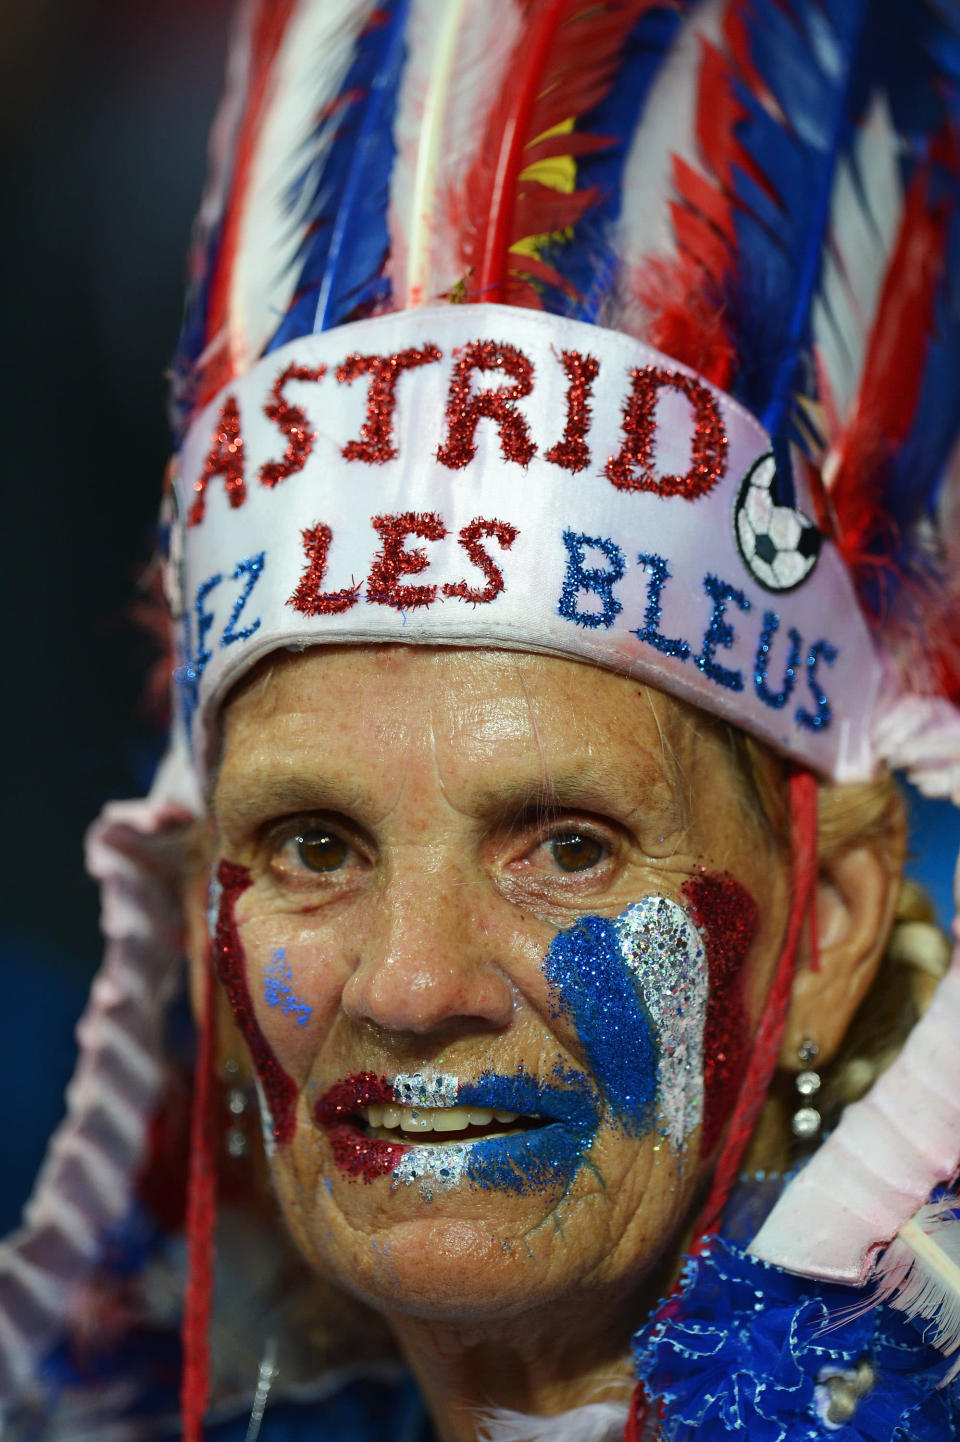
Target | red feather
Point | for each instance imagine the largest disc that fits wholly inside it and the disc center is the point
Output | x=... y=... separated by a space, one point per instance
x=893 y=371
x=681 y=298
x=267 y=32
x=563 y=69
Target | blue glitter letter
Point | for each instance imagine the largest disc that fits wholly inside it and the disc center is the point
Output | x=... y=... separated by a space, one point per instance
x=252 y=567
x=651 y=633
x=205 y=620
x=819 y=719
x=590 y=578
x=776 y=699
x=720 y=632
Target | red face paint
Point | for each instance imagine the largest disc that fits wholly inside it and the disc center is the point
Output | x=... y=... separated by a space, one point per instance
x=230 y=961
x=727 y=914
x=355 y=1153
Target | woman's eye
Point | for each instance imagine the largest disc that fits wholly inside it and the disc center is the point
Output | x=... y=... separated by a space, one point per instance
x=321 y=850
x=576 y=852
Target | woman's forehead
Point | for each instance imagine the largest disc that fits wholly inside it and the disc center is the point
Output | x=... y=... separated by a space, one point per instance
x=529 y=720
x=495 y=697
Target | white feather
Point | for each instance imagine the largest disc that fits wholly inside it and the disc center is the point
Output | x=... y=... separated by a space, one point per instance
x=459 y=53
x=226 y=122
x=919 y=1274
x=596 y=1422
x=866 y=207
x=667 y=129
x=308 y=74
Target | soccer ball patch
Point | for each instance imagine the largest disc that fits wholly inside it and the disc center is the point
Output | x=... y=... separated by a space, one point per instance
x=778 y=544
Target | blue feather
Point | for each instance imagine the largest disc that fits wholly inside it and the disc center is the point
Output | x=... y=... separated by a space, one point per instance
x=587 y=261
x=342 y=259
x=821 y=64
x=808 y=60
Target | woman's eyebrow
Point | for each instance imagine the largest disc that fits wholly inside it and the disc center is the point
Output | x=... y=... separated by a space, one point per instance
x=256 y=796
x=600 y=787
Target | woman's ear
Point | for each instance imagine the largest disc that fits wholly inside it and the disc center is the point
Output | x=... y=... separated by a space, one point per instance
x=856 y=903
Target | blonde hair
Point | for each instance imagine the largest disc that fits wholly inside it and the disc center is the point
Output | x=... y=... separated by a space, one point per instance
x=916 y=952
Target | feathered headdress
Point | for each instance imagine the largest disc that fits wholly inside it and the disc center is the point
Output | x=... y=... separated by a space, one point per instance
x=622 y=330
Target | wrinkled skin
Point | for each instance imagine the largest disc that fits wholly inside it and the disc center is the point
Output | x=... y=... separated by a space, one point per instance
x=450 y=785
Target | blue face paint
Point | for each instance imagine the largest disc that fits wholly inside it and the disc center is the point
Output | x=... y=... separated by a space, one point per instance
x=277 y=990
x=593 y=987
x=547 y=1156
x=539 y=1158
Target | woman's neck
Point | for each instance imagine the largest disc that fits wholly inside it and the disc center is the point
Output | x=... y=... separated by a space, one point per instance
x=541 y=1366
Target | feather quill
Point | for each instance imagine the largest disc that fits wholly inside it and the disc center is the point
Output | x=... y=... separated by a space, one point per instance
x=359 y=239
x=594 y=1422
x=301 y=55
x=865 y=214
x=919 y=1274
x=451 y=81
x=565 y=69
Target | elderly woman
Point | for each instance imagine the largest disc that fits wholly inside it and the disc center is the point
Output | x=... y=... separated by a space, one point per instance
x=528 y=800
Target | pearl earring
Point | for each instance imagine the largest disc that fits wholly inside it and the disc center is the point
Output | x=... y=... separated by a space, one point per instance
x=806 y=1119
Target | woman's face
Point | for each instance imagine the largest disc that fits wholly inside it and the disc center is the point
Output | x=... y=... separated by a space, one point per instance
x=496 y=929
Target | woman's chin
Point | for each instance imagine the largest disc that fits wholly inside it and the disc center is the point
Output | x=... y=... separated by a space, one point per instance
x=452 y=1268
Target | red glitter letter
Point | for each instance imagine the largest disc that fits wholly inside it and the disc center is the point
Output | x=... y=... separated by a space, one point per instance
x=464 y=410
x=572 y=452
x=225 y=458
x=376 y=434
x=308 y=599
x=633 y=470
x=393 y=560
x=292 y=422
x=470 y=541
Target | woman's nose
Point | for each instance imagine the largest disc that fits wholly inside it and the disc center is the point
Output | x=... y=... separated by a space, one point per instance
x=430 y=964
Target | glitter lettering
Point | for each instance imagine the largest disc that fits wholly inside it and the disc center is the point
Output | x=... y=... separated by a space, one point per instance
x=633 y=469
x=720 y=633
x=252 y=568
x=394 y=560
x=820 y=719
x=205 y=620
x=292 y=422
x=375 y=444
x=308 y=598
x=469 y=539
x=224 y=458
x=593 y=580
x=572 y=452
x=659 y=573
x=465 y=407
x=776 y=699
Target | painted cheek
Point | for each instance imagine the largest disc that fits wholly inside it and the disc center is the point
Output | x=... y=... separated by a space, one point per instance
x=592 y=988
x=727 y=915
x=636 y=991
x=228 y=957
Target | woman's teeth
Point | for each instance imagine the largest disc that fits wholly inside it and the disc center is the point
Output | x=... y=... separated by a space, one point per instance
x=433 y=1119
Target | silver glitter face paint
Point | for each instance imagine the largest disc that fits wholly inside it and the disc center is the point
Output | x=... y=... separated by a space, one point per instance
x=434 y=1167
x=663 y=950
x=266 y=1121
x=426 y=1089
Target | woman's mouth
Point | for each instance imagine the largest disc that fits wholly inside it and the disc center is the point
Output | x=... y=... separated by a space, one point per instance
x=441 y=1131
x=441 y=1125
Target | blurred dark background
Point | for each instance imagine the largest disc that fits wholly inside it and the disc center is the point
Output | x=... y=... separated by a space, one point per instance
x=104 y=112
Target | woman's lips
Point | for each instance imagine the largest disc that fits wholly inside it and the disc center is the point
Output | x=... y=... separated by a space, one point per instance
x=371 y=1130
